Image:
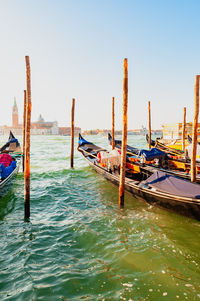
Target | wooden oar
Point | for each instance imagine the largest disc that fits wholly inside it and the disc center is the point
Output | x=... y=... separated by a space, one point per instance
x=89 y=153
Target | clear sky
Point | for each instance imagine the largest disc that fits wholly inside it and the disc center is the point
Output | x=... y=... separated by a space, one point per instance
x=76 y=49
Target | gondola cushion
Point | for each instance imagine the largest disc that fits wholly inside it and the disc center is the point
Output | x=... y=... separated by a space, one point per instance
x=111 y=159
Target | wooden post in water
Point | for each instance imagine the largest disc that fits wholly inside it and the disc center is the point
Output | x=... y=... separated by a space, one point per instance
x=72 y=133
x=24 y=130
x=113 y=123
x=183 y=129
x=27 y=142
x=149 y=110
x=194 y=132
x=124 y=136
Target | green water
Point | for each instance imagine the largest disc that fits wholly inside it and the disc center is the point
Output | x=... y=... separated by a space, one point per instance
x=80 y=246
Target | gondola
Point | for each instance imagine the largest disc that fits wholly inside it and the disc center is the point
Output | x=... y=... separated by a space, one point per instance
x=8 y=174
x=178 y=158
x=165 y=162
x=158 y=188
x=169 y=150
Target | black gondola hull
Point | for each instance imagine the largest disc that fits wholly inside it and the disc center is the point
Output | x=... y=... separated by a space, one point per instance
x=181 y=205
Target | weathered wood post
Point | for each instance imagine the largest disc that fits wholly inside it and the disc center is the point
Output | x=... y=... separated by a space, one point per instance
x=149 y=110
x=124 y=135
x=183 y=129
x=72 y=133
x=24 y=130
x=194 y=132
x=27 y=142
x=113 y=123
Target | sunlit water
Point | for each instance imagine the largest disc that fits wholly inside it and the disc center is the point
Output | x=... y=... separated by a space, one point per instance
x=79 y=246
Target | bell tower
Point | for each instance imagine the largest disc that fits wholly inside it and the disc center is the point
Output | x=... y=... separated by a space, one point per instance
x=15 y=118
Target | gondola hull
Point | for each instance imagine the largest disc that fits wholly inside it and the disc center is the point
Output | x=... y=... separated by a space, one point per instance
x=7 y=183
x=11 y=148
x=182 y=205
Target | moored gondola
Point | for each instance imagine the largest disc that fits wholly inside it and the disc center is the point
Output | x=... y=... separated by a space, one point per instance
x=157 y=159
x=9 y=163
x=158 y=188
x=169 y=150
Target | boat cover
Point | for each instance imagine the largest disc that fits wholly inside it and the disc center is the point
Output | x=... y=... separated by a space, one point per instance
x=112 y=159
x=173 y=185
x=6 y=171
x=152 y=154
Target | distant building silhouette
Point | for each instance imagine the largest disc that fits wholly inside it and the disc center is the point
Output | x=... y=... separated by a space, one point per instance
x=15 y=116
x=40 y=127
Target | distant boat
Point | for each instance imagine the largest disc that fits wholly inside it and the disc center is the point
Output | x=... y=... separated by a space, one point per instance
x=159 y=188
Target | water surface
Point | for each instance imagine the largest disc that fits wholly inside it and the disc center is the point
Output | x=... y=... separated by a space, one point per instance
x=80 y=246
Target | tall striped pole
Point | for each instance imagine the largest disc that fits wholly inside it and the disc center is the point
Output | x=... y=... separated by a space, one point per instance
x=72 y=134
x=27 y=142
x=149 y=111
x=24 y=129
x=113 y=123
x=183 y=129
x=124 y=135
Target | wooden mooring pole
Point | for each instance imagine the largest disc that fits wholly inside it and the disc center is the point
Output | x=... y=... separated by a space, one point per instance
x=149 y=110
x=24 y=130
x=194 y=132
x=72 y=134
x=27 y=142
x=113 y=123
x=183 y=129
x=124 y=135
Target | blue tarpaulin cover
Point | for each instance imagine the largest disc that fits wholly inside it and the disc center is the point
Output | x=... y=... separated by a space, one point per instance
x=151 y=154
x=173 y=185
x=5 y=171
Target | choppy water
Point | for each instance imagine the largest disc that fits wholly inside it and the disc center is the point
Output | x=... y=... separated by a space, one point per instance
x=80 y=246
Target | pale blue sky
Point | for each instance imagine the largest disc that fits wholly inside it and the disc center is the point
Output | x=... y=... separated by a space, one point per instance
x=77 y=48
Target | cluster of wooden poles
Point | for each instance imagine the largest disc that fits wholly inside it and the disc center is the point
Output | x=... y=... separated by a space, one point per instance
x=194 y=132
x=124 y=131
x=27 y=126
